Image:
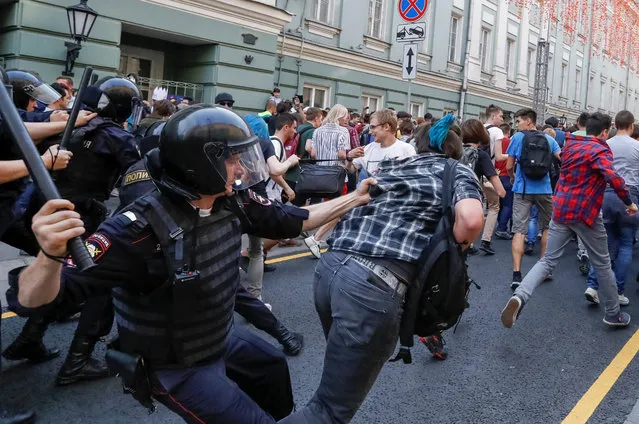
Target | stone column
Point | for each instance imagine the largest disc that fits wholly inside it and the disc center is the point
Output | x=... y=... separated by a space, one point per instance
x=474 y=65
x=522 y=69
x=501 y=27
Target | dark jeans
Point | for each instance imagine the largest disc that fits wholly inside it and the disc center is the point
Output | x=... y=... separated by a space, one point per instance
x=251 y=384
x=505 y=205
x=360 y=316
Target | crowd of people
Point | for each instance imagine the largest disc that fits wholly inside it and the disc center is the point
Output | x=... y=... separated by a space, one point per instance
x=192 y=178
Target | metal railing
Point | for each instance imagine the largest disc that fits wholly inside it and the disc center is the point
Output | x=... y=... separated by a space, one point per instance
x=177 y=88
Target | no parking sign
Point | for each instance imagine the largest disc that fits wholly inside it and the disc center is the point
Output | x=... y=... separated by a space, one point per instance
x=412 y=10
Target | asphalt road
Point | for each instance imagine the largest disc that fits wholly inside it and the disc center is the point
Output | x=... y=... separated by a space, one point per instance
x=533 y=373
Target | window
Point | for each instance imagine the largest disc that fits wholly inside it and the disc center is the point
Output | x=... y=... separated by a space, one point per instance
x=510 y=59
x=484 y=48
x=315 y=96
x=453 y=41
x=564 y=80
x=602 y=92
x=578 y=85
x=372 y=102
x=375 y=18
x=612 y=98
x=416 y=110
x=532 y=65
x=321 y=10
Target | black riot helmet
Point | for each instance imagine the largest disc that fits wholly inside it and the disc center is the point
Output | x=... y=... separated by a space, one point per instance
x=27 y=86
x=202 y=149
x=114 y=98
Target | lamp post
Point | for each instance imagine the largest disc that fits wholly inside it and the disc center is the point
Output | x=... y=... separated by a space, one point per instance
x=563 y=120
x=81 y=19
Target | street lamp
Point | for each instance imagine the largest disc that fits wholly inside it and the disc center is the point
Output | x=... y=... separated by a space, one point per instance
x=81 y=19
x=563 y=120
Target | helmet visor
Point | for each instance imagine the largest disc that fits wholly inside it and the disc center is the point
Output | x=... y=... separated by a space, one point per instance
x=137 y=109
x=42 y=92
x=244 y=166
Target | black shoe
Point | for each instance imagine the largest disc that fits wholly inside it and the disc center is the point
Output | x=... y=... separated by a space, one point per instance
x=292 y=342
x=486 y=248
x=269 y=268
x=29 y=344
x=584 y=264
x=435 y=345
x=530 y=248
x=12 y=415
x=79 y=366
x=472 y=251
x=244 y=263
x=516 y=281
x=503 y=235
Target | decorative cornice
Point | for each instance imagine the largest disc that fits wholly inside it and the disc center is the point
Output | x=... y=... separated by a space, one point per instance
x=376 y=44
x=454 y=67
x=245 y=13
x=321 y=29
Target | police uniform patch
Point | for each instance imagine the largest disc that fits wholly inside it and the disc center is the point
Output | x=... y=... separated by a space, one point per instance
x=259 y=199
x=135 y=177
x=97 y=245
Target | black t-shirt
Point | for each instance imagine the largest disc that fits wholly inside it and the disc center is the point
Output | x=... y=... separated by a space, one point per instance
x=267 y=150
x=484 y=166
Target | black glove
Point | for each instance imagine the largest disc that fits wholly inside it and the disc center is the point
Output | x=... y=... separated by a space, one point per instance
x=403 y=354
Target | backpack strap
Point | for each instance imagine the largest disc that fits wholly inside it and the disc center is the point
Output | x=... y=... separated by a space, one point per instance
x=448 y=189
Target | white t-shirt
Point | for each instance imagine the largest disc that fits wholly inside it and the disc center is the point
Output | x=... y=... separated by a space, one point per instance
x=273 y=190
x=374 y=153
x=495 y=134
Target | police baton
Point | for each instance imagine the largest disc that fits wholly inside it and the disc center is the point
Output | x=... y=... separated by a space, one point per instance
x=39 y=173
x=66 y=135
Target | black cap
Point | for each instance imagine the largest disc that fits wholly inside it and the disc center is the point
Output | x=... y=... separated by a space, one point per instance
x=223 y=98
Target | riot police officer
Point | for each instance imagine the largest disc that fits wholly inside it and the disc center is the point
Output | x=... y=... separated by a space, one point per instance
x=102 y=152
x=172 y=261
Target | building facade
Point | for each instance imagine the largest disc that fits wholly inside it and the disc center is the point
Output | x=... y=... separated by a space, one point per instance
x=476 y=52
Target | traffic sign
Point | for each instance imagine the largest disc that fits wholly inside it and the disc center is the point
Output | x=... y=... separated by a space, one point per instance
x=409 y=67
x=408 y=33
x=412 y=10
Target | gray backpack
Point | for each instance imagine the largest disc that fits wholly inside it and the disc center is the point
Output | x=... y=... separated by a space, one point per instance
x=470 y=156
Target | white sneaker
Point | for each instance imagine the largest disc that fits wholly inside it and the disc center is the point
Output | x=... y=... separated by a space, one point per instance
x=623 y=300
x=313 y=245
x=592 y=296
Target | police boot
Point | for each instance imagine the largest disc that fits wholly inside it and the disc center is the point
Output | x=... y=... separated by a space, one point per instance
x=79 y=365
x=292 y=342
x=11 y=415
x=29 y=343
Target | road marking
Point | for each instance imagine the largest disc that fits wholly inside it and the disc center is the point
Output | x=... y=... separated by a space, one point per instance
x=270 y=261
x=600 y=388
x=291 y=257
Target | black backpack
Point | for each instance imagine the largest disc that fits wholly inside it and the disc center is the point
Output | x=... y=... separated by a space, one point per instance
x=438 y=295
x=470 y=156
x=536 y=157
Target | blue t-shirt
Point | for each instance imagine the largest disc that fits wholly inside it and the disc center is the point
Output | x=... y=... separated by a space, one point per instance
x=532 y=186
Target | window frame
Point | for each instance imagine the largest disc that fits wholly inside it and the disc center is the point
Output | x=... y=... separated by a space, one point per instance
x=484 y=48
x=369 y=97
x=382 y=20
x=329 y=11
x=314 y=88
x=563 y=78
x=420 y=109
x=578 y=77
x=511 y=59
x=456 y=43
x=532 y=66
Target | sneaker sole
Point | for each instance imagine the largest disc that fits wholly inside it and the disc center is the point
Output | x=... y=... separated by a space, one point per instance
x=590 y=298
x=318 y=254
x=616 y=324
x=514 y=285
x=509 y=314
x=487 y=252
x=584 y=266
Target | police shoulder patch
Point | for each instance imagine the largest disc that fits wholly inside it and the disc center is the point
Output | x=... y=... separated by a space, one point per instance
x=259 y=199
x=136 y=176
x=97 y=245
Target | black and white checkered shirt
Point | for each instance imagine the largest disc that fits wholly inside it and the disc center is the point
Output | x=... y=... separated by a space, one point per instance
x=399 y=221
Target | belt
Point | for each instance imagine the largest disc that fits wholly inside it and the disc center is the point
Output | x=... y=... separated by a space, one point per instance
x=383 y=273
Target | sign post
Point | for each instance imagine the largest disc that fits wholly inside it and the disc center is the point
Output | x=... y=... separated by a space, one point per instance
x=411 y=11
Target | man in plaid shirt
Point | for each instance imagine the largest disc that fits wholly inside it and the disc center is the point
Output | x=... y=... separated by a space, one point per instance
x=586 y=167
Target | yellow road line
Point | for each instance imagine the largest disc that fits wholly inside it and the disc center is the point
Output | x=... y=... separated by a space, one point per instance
x=270 y=261
x=600 y=388
x=291 y=257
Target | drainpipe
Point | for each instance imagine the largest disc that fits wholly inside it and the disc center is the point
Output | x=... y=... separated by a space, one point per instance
x=464 y=89
x=300 y=30
x=280 y=58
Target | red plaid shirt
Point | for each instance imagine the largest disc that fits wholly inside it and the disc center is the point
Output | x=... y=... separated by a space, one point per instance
x=586 y=167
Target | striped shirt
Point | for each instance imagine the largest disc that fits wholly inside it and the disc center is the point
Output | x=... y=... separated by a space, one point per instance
x=328 y=140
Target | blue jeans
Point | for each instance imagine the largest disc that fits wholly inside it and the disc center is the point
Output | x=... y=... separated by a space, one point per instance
x=620 y=248
x=506 y=205
x=531 y=238
x=360 y=316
